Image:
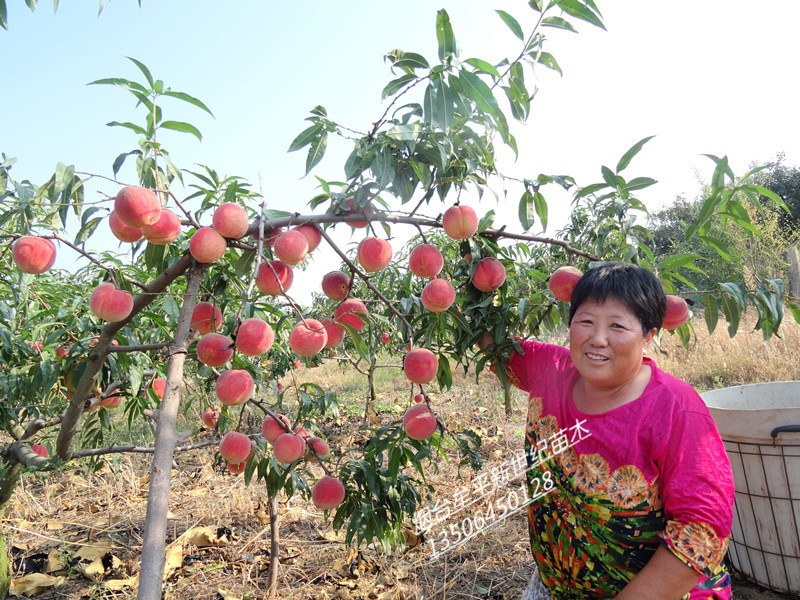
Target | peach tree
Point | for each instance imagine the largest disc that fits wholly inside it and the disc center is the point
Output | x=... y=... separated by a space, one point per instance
x=201 y=297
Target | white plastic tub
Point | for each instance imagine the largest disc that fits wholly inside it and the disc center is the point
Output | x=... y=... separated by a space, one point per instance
x=760 y=425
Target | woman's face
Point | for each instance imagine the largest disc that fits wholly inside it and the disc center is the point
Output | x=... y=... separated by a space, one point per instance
x=606 y=343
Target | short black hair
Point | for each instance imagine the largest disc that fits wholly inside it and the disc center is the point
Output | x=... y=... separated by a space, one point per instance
x=636 y=287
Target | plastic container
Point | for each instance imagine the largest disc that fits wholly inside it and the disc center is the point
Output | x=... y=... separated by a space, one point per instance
x=760 y=425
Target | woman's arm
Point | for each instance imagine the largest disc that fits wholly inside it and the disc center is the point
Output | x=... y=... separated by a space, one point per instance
x=664 y=577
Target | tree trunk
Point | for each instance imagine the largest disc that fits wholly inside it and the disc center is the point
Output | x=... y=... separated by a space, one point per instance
x=274 y=548
x=9 y=480
x=794 y=272
x=155 y=526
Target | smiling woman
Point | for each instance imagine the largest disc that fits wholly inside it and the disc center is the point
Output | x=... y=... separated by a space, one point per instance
x=642 y=492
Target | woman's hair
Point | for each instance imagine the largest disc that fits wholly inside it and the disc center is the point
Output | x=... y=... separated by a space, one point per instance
x=636 y=287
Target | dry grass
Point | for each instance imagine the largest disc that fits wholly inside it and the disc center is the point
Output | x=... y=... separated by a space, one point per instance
x=68 y=510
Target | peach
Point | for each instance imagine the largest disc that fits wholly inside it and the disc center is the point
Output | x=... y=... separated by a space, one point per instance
x=272 y=429
x=270 y=235
x=335 y=333
x=336 y=285
x=124 y=233
x=206 y=317
x=374 y=254
x=313 y=237
x=419 y=398
x=110 y=304
x=460 y=222
x=425 y=261
x=33 y=255
x=137 y=206
x=291 y=247
x=40 y=450
x=235 y=447
x=367 y=210
x=297 y=364
x=327 y=493
x=254 y=337
x=272 y=276
x=677 y=312
x=235 y=387
x=237 y=469
x=385 y=337
x=301 y=431
x=351 y=312
x=211 y=416
x=419 y=422
x=438 y=295
x=288 y=448
x=563 y=281
x=317 y=448
x=280 y=385
x=420 y=365
x=62 y=351
x=206 y=245
x=214 y=349
x=158 y=386
x=230 y=220
x=308 y=337
x=165 y=230
x=489 y=275
x=112 y=401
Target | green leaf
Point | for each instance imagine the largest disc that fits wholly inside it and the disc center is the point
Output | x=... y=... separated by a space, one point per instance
x=581 y=11
x=638 y=183
x=408 y=60
x=512 y=24
x=759 y=189
x=671 y=263
x=187 y=98
x=55 y=6
x=396 y=85
x=733 y=313
x=710 y=205
x=794 y=309
x=444 y=35
x=408 y=133
x=182 y=126
x=63 y=177
x=719 y=246
x=306 y=137
x=316 y=151
x=3 y=15
x=31 y=3
x=541 y=208
x=589 y=189
x=483 y=66
x=526 y=210
x=477 y=90
x=87 y=230
x=244 y=263
x=558 y=23
x=443 y=105
x=711 y=314
x=132 y=126
x=486 y=221
x=633 y=151
x=611 y=179
x=549 y=61
x=737 y=291
x=143 y=69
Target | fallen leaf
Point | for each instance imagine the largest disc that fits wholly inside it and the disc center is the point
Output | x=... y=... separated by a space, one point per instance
x=54 y=561
x=226 y=595
x=206 y=536
x=54 y=525
x=198 y=491
x=174 y=560
x=89 y=509
x=94 y=551
x=34 y=583
x=118 y=584
x=496 y=454
x=99 y=567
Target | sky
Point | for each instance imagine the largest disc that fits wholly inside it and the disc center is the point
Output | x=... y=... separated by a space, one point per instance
x=703 y=76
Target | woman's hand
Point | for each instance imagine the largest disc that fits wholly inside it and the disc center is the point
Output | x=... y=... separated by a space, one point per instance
x=664 y=577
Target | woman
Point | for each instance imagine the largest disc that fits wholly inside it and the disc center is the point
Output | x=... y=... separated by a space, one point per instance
x=640 y=504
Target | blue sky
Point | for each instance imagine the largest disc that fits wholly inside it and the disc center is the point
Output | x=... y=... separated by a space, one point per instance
x=715 y=76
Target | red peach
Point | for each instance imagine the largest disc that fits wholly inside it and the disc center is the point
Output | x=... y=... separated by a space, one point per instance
x=336 y=285
x=374 y=254
x=230 y=220
x=280 y=386
x=419 y=422
x=419 y=398
x=33 y=255
x=112 y=401
x=211 y=416
x=211 y=349
x=235 y=447
x=438 y=295
x=206 y=317
x=385 y=338
x=272 y=429
x=367 y=210
x=327 y=493
x=137 y=206
x=206 y=245
x=335 y=333
x=319 y=446
x=158 y=386
x=563 y=281
x=110 y=304
x=254 y=337
x=291 y=247
x=297 y=364
x=351 y=312
x=237 y=469
x=489 y=275
x=40 y=450
x=235 y=387
x=307 y=338
x=313 y=237
x=460 y=222
x=62 y=351
x=420 y=365
x=267 y=281
x=165 y=230
x=124 y=233
x=425 y=261
x=288 y=448
x=677 y=312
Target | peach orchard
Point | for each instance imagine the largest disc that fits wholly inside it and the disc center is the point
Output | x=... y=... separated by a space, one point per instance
x=199 y=292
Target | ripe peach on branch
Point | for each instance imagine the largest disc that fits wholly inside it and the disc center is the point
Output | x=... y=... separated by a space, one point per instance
x=235 y=387
x=351 y=312
x=137 y=206
x=291 y=247
x=165 y=230
x=235 y=447
x=33 y=255
x=327 y=493
x=677 y=312
x=563 y=281
x=206 y=317
x=336 y=285
x=273 y=275
x=207 y=246
x=460 y=222
x=110 y=304
x=308 y=337
x=123 y=232
x=374 y=254
x=420 y=365
x=419 y=422
x=214 y=349
x=438 y=295
x=254 y=337
x=425 y=260
x=489 y=275
x=230 y=220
